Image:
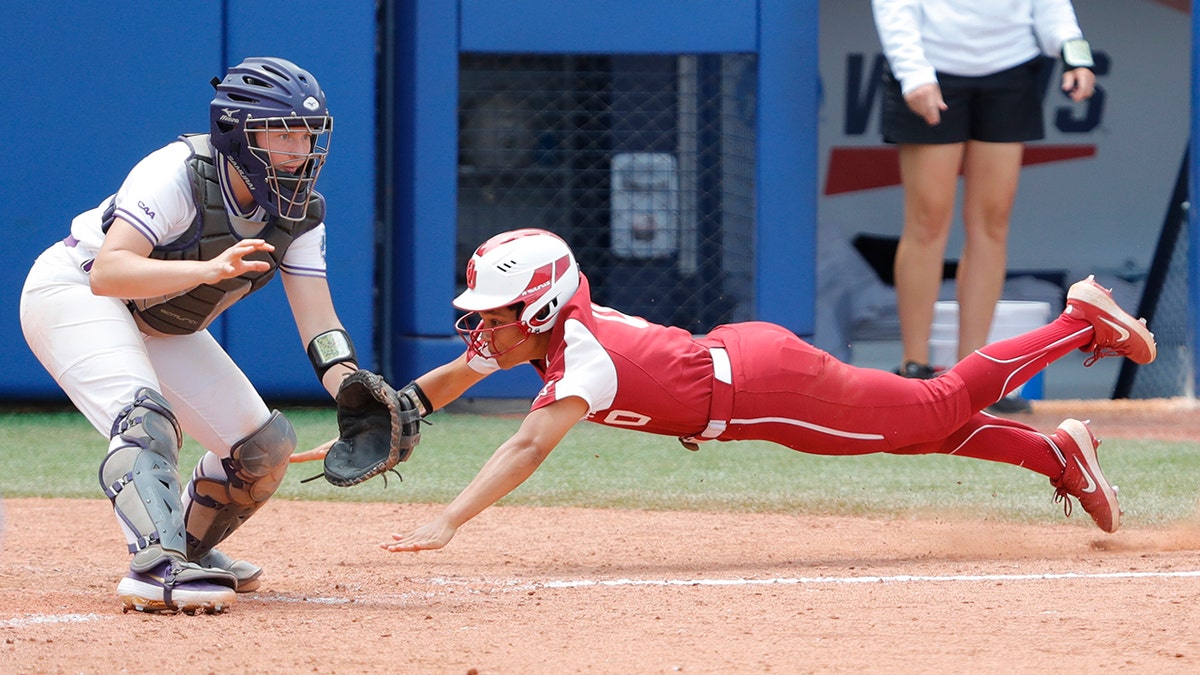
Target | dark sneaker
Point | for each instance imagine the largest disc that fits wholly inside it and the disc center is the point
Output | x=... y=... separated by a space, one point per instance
x=1011 y=404
x=247 y=574
x=1082 y=478
x=173 y=586
x=1117 y=333
x=916 y=371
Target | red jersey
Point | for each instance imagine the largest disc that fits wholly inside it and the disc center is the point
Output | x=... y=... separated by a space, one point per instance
x=632 y=373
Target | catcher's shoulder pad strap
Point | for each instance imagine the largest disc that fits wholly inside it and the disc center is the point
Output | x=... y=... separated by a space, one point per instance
x=210 y=234
x=377 y=429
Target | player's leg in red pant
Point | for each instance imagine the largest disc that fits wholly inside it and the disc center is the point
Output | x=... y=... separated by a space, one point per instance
x=988 y=375
x=997 y=439
x=994 y=370
x=1067 y=457
x=791 y=393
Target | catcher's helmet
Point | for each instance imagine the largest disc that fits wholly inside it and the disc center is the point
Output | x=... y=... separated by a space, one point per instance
x=531 y=267
x=262 y=94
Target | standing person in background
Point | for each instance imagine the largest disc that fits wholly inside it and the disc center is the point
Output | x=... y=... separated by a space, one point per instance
x=961 y=94
x=118 y=313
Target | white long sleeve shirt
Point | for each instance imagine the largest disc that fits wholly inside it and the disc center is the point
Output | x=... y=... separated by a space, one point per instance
x=968 y=37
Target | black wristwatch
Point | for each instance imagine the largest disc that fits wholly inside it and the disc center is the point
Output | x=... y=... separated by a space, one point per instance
x=1077 y=53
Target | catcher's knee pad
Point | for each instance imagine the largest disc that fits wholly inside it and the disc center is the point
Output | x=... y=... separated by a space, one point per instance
x=225 y=492
x=140 y=476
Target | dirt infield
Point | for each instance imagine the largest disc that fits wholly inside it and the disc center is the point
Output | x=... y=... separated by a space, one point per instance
x=549 y=590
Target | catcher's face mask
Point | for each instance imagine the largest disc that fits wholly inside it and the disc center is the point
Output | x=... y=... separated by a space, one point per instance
x=478 y=330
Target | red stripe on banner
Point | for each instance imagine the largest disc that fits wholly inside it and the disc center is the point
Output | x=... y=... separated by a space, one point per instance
x=857 y=169
x=1184 y=6
x=1044 y=154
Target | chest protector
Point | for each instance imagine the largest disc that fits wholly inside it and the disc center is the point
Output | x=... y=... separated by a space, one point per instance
x=210 y=234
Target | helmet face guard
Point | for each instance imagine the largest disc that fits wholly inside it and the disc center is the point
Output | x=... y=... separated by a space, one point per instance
x=288 y=192
x=481 y=341
x=271 y=95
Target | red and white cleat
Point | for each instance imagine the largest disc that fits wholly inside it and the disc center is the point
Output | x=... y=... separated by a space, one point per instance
x=1117 y=333
x=1082 y=478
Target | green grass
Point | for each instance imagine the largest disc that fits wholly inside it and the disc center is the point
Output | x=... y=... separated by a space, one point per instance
x=57 y=454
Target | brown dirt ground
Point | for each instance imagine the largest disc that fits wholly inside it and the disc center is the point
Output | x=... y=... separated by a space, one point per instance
x=551 y=590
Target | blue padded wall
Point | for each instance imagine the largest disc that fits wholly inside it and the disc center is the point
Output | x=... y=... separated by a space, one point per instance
x=98 y=87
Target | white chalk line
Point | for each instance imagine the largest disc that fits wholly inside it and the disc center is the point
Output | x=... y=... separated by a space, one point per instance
x=794 y=581
x=900 y=578
x=483 y=585
x=309 y=599
x=41 y=619
x=510 y=585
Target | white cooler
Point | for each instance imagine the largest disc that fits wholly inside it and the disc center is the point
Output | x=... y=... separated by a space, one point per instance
x=1012 y=318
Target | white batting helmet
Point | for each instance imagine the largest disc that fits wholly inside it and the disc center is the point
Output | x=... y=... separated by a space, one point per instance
x=529 y=266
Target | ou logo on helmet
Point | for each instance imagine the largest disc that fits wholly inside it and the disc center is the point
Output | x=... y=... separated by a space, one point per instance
x=471 y=275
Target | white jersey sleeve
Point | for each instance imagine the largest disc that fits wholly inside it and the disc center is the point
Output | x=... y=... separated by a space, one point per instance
x=306 y=255
x=898 y=23
x=155 y=198
x=1055 y=22
x=589 y=371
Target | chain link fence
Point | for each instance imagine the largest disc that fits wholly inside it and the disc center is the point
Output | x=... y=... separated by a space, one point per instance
x=643 y=163
x=1165 y=306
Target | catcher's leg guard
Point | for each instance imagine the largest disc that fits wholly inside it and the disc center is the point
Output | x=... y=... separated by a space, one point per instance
x=225 y=492
x=140 y=476
x=247 y=574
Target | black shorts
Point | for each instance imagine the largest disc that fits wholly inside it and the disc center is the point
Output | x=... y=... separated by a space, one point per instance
x=1004 y=107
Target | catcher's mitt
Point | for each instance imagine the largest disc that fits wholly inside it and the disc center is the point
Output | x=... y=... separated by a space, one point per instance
x=377 y=429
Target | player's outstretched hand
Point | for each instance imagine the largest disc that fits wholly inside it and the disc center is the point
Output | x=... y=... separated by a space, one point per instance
x=232 y=261
x=425 y=538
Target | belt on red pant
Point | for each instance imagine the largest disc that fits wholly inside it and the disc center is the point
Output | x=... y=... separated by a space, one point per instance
x=720 y=407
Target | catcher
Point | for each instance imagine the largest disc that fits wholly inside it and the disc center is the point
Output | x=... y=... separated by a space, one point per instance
x=118 y=313
x=527 y=302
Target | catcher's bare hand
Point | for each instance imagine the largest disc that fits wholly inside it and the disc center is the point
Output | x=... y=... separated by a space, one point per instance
x=316 y=454
x=425 y=538
x=232 y=261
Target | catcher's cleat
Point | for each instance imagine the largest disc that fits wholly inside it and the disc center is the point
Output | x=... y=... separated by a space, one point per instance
x=1116 y=332
x=1082 y=478
x=1011 y=404
x=918 y=371
x=173 y=586
x=247 y=574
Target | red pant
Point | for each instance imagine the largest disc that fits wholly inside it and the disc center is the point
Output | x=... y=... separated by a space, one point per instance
x=788 y=392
